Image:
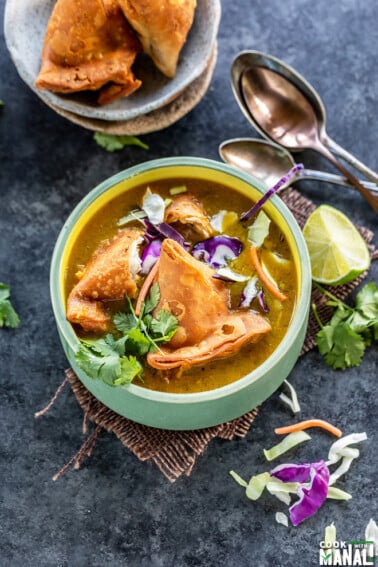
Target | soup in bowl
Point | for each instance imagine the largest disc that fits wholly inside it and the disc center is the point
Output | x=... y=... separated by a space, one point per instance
x=175 y=308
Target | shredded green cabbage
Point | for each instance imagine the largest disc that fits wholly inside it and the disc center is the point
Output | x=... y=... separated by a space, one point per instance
x=330 y=535
x=259 y=230
x=292 y=402
x=341 y=450
x=281 y=518
x=371 y=534
x=238 y=479
x=178 y=190
x=338 y=494
x=256 y=485
x=287 y=443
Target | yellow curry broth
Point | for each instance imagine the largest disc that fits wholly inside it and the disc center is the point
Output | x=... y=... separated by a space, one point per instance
x=275 y=255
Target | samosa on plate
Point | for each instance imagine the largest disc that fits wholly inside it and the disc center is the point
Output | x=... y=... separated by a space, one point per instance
x=162 y=27
x=207 y=329
x=89 y=45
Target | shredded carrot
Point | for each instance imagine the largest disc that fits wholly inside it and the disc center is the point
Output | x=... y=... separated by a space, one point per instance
x=146 y=286
x=264 y=278
x=309 y=423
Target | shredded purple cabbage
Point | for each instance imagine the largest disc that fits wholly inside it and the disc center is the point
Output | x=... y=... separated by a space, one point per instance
x=163 y=230
x=217 y=250
x=283 y=182
x=150 y=255
x=310 y=498
x=151 y=233
x=262 y=302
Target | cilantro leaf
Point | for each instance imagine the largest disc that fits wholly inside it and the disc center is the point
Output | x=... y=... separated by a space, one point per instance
x=137 y=342
x=341 y=346
x=344 y=339
x=124 y=321
x=104 y=359
x=96 y=365
x=367 y=301
x=164 y=325
x=8 y=315
x=130 y=368
x=324 y=339
x=152 y=299
x=112 y=143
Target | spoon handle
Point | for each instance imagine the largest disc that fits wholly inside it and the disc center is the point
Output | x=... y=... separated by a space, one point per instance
x=349 y=158
x=335 y=179
x=371 y=198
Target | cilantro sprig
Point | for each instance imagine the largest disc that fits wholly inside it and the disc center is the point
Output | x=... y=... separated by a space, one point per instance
x=344 y=339
x=8 y=316
x=115 y=360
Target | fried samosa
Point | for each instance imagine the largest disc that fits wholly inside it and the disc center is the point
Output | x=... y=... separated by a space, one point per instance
x=89 y=45
x=162 y=26
x=186 y=210
x=111 y=274
x=207 y=329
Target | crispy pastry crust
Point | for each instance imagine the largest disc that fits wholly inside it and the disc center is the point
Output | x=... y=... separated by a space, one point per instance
x=208 y=329
x=89 y=44
x=162 y=26
x=109 y=275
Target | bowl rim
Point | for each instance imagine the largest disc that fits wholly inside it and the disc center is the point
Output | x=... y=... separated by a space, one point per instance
x=300 y=309
x=110 y=113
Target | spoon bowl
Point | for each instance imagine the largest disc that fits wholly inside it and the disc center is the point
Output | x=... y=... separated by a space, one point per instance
x=284 y=108
x=269 y=162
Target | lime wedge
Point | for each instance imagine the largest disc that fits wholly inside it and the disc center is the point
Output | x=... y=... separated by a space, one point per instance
x=338 y=253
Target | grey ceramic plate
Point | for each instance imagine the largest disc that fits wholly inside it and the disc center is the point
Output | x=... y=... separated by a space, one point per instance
x=25 y=25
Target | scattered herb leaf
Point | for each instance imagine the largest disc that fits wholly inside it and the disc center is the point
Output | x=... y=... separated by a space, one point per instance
x=8 y=316
x=112 y=143
x=344 y=339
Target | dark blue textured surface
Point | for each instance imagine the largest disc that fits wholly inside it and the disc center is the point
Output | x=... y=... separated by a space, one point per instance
x=117 y=511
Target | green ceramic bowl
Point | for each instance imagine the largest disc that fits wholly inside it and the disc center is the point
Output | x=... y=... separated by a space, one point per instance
x=203 y=409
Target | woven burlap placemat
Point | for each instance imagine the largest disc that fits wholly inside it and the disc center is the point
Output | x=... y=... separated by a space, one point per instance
x=175 y=452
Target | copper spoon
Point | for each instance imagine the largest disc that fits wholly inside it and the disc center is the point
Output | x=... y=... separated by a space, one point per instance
x=283 y=107
x=269 y=162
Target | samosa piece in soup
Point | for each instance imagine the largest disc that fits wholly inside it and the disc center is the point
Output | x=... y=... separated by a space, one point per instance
x=209 y=329
x=217 y=341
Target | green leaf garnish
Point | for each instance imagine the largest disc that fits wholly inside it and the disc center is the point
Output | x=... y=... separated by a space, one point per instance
x=152 y=299
x=137 y=342
x=105 y=359
x=344 y=339
x=124 y=321
x=113 y=143
x=115 y=360
x=164 y=325
x=8 y=316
